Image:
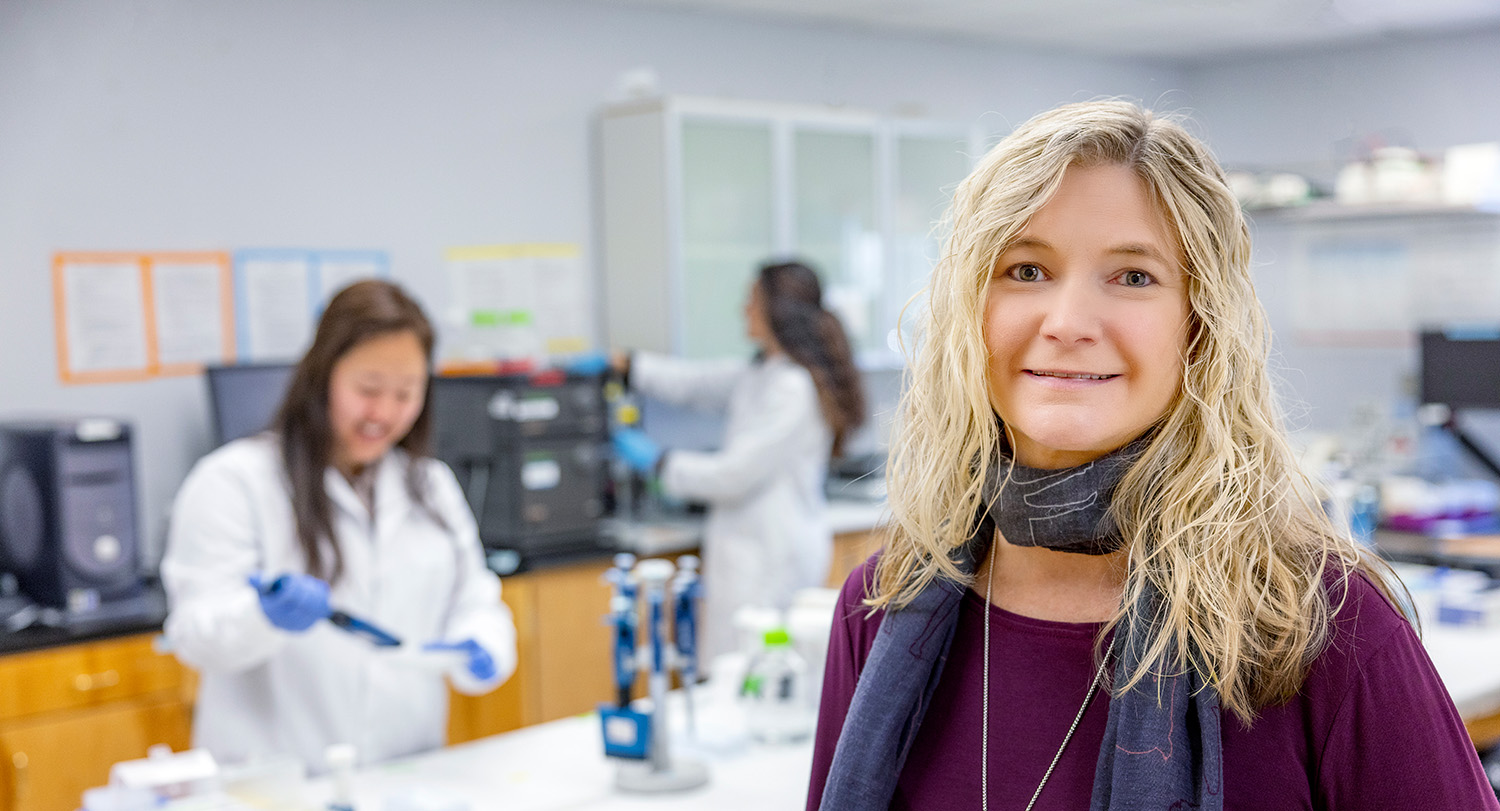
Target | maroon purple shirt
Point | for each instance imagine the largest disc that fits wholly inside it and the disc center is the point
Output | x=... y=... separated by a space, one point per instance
x=1373 y=727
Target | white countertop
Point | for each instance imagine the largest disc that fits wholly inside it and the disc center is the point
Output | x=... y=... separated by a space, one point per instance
x=561 y=765
x=854 y=515
x=1468 y=660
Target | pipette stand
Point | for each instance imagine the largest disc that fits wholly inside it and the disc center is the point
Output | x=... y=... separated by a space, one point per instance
x=658 y=771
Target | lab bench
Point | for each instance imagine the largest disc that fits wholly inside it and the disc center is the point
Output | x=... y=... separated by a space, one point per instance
x=146 y=617
x=1478 y=552
x=74 y=701
x=1468 y=659
x=560 y=765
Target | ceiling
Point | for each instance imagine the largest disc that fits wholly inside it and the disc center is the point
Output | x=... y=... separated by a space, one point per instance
x=1175 y=30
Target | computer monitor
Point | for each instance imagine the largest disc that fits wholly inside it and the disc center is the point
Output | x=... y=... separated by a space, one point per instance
x=244 y=397
x=1461 y=368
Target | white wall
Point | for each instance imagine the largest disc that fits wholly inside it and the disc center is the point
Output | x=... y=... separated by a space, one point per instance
x=1313 y=112
x=404 y=126
x=1292 y=109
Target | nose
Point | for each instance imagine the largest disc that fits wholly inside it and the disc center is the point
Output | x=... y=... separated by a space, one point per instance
x=1073 y=313
x=382 y=409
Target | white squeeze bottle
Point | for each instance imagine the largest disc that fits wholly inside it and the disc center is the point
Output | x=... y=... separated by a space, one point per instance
x=778 y=707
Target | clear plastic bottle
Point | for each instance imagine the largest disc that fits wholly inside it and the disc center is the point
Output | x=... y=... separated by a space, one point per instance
x=778 y=708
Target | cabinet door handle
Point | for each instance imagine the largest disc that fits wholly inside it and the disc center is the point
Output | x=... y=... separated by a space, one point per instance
x=18 y=790
x=84 y=682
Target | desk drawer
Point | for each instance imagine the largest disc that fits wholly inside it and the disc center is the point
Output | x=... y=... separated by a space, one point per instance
x=83 y=675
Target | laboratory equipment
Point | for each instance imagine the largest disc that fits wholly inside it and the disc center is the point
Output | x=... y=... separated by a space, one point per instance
x=243 y=398
x=810 y=622
x=623 y=618
x=1450 y=508
x=67 y=517
x=1461 y=371
x=686 y=590
x=778 y=708
x=168 y=774
x=528 y=451
x=362 y=628
x=640 y=739
x=341 y=758
x=365 y=629
x=628 y=488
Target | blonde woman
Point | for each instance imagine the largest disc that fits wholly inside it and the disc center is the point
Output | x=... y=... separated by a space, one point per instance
x=1106 y=584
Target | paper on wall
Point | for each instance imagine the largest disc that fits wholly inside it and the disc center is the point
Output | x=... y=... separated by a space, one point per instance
x=105 y=316
x=189 y=307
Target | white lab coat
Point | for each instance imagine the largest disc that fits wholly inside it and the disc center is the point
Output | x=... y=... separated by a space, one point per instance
x=767 y=532
x=265 y=691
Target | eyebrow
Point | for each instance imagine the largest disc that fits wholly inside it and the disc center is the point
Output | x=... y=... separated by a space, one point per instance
x=1139 y=249
x=371 y=376
x=1126 y=249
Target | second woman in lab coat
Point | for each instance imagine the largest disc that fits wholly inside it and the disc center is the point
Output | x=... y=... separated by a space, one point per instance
x=787 y=410
x=339 y=503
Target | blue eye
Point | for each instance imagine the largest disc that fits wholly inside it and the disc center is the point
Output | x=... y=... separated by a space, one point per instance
x=1136 y=278
x=1026 y=273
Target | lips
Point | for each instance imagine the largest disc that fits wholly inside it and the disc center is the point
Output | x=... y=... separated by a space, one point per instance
x=368 y=431
x=1068 y=375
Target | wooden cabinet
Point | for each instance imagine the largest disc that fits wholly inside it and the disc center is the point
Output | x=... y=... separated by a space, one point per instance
x=68 y=714
x=849 y=550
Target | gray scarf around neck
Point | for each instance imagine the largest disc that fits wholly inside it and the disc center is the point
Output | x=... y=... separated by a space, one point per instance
x=1162 y=746
x=1065 y=510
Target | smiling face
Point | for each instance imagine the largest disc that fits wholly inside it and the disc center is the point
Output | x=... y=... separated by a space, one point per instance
x=1086 y=321
x=375 y=394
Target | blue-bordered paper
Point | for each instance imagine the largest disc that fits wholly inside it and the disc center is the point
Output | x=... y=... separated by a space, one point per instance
x=279 y=293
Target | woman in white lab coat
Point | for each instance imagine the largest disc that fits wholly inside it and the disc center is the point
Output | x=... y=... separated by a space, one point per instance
x=788 y=409
x=337 y=507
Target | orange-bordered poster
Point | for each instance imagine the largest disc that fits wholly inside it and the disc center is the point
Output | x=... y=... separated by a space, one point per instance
x=121 y=316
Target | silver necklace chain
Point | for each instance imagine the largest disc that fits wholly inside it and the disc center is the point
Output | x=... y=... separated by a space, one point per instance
x=984 y=746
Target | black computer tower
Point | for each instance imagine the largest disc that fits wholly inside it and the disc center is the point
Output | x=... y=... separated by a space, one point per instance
x=67 y=512
x=530 y=454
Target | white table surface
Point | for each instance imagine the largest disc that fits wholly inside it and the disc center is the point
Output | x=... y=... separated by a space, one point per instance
x=560 y=765
x=1468 y=660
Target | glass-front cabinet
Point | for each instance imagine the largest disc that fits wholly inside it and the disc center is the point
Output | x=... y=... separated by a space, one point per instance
x=728 y=228
x=930 y=162
x=838 y=230
x=698 y=193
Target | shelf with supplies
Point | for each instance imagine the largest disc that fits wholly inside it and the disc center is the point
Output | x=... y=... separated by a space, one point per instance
x=1330 y=211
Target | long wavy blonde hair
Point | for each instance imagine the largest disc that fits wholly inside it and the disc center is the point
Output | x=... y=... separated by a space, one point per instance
x=1216 y=516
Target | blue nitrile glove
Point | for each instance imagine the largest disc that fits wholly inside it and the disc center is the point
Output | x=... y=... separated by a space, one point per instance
x=481 y=664
x=587 y=363
x=638 y=450
x=292 y=602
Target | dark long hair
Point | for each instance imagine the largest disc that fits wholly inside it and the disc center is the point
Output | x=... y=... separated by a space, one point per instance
x=813 y=337
x=361 y=311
